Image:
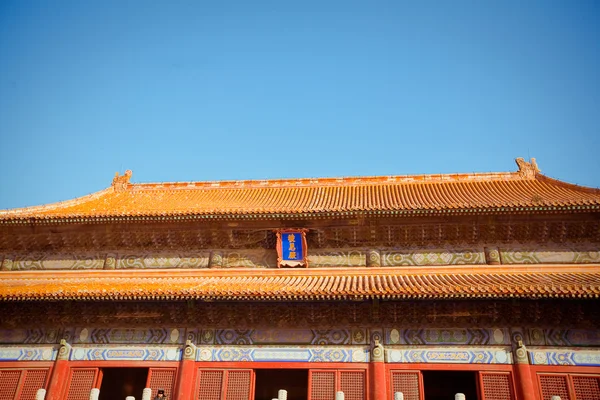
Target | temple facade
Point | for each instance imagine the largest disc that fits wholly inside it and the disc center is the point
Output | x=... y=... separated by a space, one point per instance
x=485 y=284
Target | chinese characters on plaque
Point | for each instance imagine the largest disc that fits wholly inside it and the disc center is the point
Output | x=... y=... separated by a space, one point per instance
x=291 y=248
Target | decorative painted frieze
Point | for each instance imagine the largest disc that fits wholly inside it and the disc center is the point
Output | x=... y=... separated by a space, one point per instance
x=447 y=336
x=284 y=354
x=255 y=258
x=127 y=353
x=28 y=353
x=565 y=357
x=57 y=261
x=216 y=259
x=117 y=260
x=373 y=258
x=279 y=336
x=34 y=336
x=492 y=255
x=433 y=256
x=266 y=336
x=7 y=263
x=143 y=260
x=563 y=337
x=129 y=335
x=567 y=253
x=446 y=253
x=336 y=258
x=450 y=355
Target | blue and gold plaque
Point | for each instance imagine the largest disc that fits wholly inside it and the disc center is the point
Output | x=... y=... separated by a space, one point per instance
x=291 y=248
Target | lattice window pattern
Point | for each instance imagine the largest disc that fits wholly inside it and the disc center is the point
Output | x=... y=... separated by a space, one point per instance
x=9 y=381
x=322 y=385
x=81 y=383
x=586 y=387
x=407 y=383
x=210 y=385
x=34 y=380
x=554 y=385
x=161 y=378
x=238 y=385
x=496 y=386
x=352 y=383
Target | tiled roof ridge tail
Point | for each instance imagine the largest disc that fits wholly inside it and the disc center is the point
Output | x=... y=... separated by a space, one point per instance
x=59 y=204
x=567 y=185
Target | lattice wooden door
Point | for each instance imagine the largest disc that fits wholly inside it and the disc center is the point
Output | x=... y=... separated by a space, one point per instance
x=32 y=381
x=554 y=385
x=406 y=382
x=352 y=383
x=9 y=383
x=322 y=384
x=81 y=381
x=161 y=378
x=219 y=384
x=586 y=387
x=239 y=384
x=210 y=384
x=21 y=384
x=496 y=386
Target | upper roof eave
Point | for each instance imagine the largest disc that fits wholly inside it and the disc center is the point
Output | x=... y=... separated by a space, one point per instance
x=481 y=193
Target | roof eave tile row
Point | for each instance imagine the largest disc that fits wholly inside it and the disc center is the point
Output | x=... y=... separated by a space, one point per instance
x=310 y=286
x=180 y=216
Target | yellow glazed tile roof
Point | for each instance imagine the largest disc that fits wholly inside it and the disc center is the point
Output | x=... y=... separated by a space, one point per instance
x=524 y=190
x=556 y=281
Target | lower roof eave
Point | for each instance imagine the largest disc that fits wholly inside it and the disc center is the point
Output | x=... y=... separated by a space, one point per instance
x=325 y=284
x=586 y=296
x=328 y=214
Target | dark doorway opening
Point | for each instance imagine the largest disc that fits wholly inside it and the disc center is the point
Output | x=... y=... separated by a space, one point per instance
x=270 y=381
x=443 y=385
x=118 y=383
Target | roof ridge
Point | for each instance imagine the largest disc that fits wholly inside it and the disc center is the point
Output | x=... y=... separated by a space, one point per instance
x=527 y=171
x=329 y=181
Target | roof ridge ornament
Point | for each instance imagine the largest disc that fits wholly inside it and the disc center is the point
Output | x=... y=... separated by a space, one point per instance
x=527 y=170
x=121 y=182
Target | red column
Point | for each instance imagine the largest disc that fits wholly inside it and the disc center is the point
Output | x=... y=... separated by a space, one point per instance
x=378 y=372
x=378 y=380
x=525 y=382
x=187 y=372
x=60 y=373
x=523 y=375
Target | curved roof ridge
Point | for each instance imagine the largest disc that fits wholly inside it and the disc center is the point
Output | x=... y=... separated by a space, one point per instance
x=56 y=205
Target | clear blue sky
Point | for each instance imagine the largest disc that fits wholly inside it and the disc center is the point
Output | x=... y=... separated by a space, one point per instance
x=194 y=90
